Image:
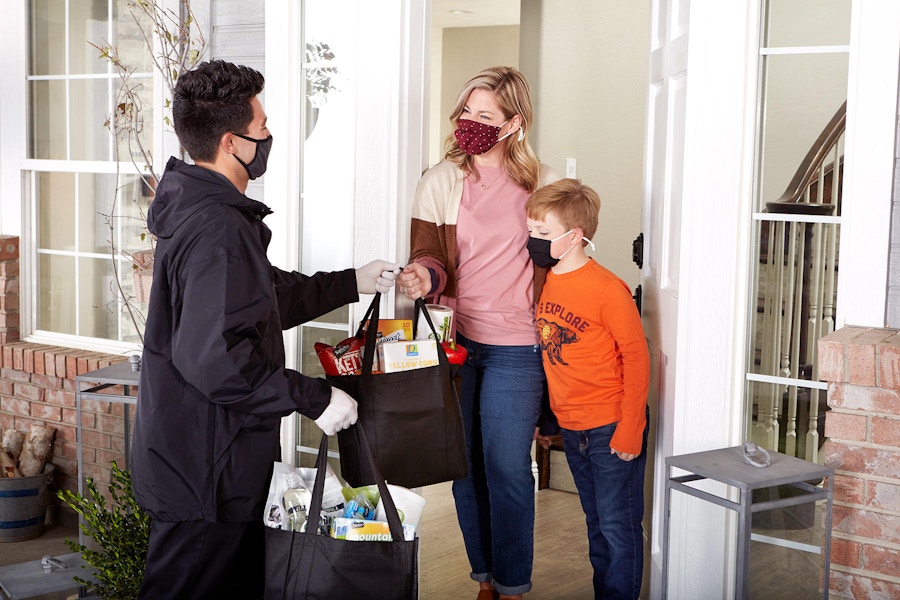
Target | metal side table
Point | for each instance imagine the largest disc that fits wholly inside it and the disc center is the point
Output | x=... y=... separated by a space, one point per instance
x=95 y=385
x=33 y=579
x=727 y=466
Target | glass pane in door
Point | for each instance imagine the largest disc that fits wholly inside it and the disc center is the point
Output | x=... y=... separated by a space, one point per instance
x=797 y=210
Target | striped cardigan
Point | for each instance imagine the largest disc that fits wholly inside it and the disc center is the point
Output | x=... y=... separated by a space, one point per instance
x=433 y=228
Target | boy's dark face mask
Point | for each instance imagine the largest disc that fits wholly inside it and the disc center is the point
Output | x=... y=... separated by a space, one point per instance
x=539 y=251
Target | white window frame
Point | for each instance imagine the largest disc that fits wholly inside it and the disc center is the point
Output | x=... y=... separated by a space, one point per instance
x=869 y=164
x=16 y=207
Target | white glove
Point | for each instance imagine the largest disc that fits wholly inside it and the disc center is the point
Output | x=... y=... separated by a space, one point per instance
x=340 y=413
x=377 y=276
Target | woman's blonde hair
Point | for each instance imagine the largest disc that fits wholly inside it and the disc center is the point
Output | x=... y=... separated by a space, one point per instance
x=510 y=88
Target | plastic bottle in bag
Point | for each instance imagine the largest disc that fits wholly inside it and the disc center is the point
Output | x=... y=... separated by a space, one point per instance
x=296 y=502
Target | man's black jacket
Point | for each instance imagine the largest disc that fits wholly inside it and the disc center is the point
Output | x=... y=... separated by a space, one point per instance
x=213 y=382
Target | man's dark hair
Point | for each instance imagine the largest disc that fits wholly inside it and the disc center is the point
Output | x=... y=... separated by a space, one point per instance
x=210 y=100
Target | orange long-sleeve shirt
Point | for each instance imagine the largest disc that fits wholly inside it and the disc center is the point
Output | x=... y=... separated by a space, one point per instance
x=595 y=353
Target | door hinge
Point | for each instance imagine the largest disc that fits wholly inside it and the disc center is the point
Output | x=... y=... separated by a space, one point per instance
x=637 y=250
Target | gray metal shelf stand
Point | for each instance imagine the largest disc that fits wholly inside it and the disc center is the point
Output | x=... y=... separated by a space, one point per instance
x=91 y=386
x=727 y=466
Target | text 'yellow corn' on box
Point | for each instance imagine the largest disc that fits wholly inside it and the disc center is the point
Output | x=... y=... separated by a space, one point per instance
x=406 y=355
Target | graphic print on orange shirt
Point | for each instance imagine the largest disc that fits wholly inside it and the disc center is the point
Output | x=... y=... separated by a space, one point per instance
x=553 y=337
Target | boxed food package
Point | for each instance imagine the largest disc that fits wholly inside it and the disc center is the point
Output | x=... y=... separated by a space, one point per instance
x=407 y=355
x=392 y=330
x=357 y=530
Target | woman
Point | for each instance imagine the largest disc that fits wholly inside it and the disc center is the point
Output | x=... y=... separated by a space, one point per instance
x=468 y=240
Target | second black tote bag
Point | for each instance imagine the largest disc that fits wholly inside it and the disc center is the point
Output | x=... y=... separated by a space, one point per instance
x=310 y=565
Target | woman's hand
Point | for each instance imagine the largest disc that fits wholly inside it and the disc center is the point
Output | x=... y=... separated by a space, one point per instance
x=414 y=281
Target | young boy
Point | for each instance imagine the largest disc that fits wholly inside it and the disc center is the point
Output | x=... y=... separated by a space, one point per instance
x=598 y=368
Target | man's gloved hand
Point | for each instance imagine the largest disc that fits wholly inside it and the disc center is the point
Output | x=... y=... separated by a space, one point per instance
x=377 y=276
x=340 y=414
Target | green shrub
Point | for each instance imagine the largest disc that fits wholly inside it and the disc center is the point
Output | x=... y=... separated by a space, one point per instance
x=120 y=531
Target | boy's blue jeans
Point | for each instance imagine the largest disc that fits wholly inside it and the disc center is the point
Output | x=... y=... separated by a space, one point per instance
x=612 y=496
x=500 y=400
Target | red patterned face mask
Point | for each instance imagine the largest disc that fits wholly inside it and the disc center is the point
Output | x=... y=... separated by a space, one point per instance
x=477 y=138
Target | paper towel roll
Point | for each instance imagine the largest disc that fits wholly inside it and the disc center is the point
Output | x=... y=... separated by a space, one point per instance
x=441 y=317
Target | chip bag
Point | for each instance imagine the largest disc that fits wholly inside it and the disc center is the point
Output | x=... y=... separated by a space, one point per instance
x=342 y=359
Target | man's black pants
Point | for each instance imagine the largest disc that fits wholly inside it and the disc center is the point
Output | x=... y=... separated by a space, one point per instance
x=197 y=560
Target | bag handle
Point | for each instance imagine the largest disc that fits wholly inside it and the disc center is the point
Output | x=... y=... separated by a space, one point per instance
x=315 y=505
x=423 y=308
x=372 y=316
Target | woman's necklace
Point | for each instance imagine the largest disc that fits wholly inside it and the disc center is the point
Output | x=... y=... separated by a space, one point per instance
x=487 y=186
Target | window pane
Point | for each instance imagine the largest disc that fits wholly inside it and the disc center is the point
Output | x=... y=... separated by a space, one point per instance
x=56 y=285
x=136 y=129
x=786 y=540
x=788 y=419
x=310 y=366
x=802 y=93
x=808 y=22
x=48 y=120
x=129 y=41
x=48 y=34
x=99 y=313
x=88 y=114
x=131 y=215
x=309 y=361
x=796 y=294
x=88 y=22
x=95 y=198
x=56 y=211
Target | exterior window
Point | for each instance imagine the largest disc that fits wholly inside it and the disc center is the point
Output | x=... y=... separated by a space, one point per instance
x=82 y=189
x=803 y=66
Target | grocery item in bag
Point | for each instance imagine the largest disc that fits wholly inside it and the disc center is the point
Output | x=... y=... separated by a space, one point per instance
x=343 y=359
x=276 y=515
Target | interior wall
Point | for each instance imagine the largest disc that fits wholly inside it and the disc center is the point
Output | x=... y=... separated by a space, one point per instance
x=591 y=74
x=802 y=92
x=464 y=51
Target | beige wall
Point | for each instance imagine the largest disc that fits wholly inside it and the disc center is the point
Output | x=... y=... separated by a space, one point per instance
x=587 y=65
x=590 y=74
x=457 y=54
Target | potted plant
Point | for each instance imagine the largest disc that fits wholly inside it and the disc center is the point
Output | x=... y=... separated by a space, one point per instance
x=118 y=530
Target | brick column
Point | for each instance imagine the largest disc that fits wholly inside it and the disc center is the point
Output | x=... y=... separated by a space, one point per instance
x=862 y=368
x=37 y=386
x=9 y=288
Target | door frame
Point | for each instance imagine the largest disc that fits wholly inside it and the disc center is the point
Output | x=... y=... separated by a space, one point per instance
x=389 y=154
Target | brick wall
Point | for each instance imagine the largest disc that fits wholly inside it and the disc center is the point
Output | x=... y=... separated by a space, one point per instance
x=862 y=368
x=37 y=385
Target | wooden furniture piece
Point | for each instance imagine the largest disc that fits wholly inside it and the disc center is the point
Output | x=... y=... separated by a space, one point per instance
x=542 y=458
x=727 y=466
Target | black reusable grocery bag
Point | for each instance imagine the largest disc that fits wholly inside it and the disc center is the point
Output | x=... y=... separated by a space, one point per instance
x=313 y=566
x=412 y=418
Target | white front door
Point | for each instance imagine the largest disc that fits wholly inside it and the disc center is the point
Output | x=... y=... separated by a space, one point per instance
x=663 y=177
x=697 y=192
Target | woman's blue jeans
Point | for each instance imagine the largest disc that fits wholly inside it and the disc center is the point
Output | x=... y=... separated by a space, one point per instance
x=612 y=496
x=500 y=400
